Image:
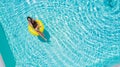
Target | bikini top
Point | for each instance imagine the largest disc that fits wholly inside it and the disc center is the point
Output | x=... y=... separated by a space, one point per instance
x=34 y=24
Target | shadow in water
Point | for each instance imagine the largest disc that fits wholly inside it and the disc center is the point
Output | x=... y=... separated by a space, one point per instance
x=46 y=35
x=5 y=50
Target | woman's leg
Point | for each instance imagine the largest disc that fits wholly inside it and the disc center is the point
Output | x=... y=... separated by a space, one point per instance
x=41 y=34
x=37 y=29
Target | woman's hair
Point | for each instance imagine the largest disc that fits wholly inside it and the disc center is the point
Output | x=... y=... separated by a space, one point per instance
x=29 y=18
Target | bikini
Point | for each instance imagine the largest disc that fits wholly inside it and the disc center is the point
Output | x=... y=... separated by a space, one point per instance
x=34 y=24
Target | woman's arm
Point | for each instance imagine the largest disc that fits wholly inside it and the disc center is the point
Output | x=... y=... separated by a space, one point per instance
x=37 y=27
x=30 y=24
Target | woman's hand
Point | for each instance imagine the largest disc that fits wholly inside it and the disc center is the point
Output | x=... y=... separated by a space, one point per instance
x=37 y=28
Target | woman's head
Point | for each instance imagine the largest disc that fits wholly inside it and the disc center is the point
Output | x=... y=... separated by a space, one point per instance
x=29 y=19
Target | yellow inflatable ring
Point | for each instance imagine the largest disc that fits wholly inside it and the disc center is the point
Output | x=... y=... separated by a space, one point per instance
x=32 y=30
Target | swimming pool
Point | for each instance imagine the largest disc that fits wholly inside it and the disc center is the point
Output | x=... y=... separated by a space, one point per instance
x=82 y=33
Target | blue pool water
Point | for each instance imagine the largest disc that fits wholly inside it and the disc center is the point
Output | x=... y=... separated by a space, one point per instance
x=83 y=33
x=5 y=50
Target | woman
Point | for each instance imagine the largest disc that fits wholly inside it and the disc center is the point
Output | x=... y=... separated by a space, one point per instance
x=34 y=24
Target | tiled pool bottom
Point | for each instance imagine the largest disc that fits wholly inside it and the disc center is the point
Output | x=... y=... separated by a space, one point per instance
x=111 y=62
x=83 y=32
